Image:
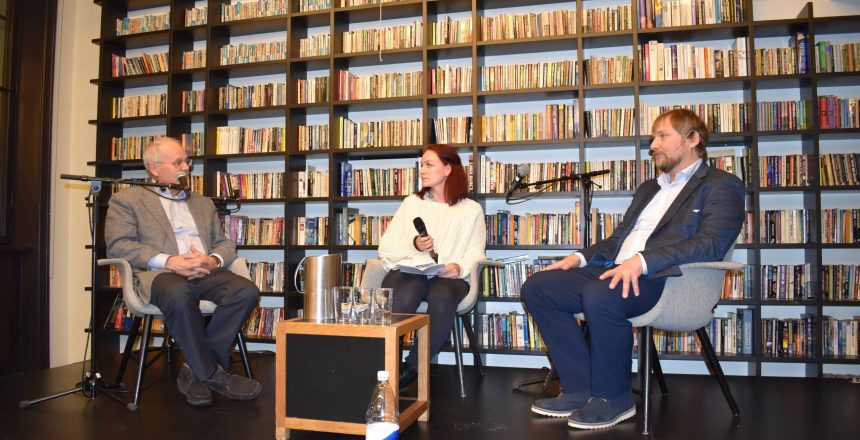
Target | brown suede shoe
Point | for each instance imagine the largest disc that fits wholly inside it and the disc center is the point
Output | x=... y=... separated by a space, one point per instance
x=233 y=386
x=195 y=390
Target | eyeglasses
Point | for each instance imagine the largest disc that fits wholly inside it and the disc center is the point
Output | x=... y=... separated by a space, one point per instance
x=178 y=163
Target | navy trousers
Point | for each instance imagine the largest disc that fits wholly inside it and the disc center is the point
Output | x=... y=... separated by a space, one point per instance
x=443 y=295
x=205 y=346
x=554 y=296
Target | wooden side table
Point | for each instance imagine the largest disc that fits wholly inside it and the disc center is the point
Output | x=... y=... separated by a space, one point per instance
x=326 y=372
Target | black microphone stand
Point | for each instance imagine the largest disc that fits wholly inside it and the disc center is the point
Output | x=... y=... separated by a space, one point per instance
x=91 y=382
x=588 y=185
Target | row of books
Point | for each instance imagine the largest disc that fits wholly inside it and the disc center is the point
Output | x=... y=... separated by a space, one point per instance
x=394 y=37
x=666 y=13
x=352 y=273
x=839 y=112
x=254 y=231
x=784 y=115
x=140 y=105
x=365 y=230
x=313 y=5
x=241 y=140
x=608 y=19
x=495 y=176
x=837 y=57
x=790 y=337
x=728 y=161
x=451 y=31
x=193 y=143
x=376 y=134
x=139 y=65
x=196 y=16
x=783 y=60
x=609 y=122
x=253 y=9
x=313 y=90
x=836 y=169
x=192 y=101
x=665 y=62
x=840 y=226
x=528 y=76
x=371 y=182
x=129 y=148
x=251 y=185
x=841 y=282
x=447 y=79
x=313 y=137
x=786 y=281
x=505 y=228
x=841 y=336
x=349 y=3
x=145 y=23
x=783 y=171
x=378 y=85
x=608 y=70
x=513 y=330
x=558 y=121
x=263 y=321
x=253 y=52
x=530 y=25
x=252 y=96
x=194 y=59
x=785 y=226
x=453 y=130
x=315 y=45
x=506 y=281
x=603 y=224
x=738 y=284
x=722 y=117
x=310 y=231
x=729 y=335
x=267 y=276
x=311 y=182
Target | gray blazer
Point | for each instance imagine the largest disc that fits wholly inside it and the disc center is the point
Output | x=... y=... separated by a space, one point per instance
x=700 y=225
x=137 y=229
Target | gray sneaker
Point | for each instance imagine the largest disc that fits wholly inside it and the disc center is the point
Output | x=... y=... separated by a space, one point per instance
x=561 y=405
x=603 y=413
x=195 y=391
x=233 y=386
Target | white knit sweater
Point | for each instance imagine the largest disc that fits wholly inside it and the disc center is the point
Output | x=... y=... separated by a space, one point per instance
x=459 y=234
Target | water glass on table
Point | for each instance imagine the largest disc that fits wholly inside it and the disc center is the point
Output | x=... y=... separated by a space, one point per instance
x=383 y=300
x=344 y=304
x=364 y=305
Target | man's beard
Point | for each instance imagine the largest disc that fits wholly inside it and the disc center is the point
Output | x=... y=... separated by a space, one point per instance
x=667 y=164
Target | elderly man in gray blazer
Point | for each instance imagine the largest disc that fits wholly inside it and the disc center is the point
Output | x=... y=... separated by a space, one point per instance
x=690 y=213
x=176 y=245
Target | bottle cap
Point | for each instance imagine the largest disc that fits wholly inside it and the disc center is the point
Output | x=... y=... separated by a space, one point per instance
x=382 y=375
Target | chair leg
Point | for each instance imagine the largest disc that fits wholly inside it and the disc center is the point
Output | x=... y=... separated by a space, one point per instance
x=714 y=365
x=657 y=369
x=458 y=354
x=129 y=347
x=147 y=329
x=243 y=350
x=646 y=379
x=473 y=344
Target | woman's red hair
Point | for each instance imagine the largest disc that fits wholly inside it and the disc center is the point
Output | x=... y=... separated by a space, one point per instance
x=456 y=184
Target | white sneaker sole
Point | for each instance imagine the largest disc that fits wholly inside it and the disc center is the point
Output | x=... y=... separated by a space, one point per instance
x=548 y=413
x=620 y=418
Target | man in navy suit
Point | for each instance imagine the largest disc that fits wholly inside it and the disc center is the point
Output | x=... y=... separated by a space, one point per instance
x=690 y=213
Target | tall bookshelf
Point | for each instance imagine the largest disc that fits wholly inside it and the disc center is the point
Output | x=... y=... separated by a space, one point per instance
x=477 y=53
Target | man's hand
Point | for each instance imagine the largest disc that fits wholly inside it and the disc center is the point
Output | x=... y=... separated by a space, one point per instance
x=568 y=262
x=451 y=270
x=187 y=265
x=423 y=244
x=628 y=273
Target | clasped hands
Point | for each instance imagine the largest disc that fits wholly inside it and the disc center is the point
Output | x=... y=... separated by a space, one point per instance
x=627 y=273
x=192 y=265
x=425 y=244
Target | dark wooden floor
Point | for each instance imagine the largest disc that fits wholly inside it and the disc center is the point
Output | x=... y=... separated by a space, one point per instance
x=771 y=408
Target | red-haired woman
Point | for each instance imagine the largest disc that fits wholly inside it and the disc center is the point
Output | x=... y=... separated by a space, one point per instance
x=456 y=232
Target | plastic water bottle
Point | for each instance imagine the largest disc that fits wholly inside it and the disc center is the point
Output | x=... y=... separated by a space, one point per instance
x=383 y=417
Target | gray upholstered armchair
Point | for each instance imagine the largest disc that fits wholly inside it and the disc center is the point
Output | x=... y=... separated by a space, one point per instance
x=374 y=272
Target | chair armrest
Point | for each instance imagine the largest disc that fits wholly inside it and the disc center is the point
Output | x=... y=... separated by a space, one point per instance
x=718 y=265
x=475 y=279
x=129 y=295
x=239 y=266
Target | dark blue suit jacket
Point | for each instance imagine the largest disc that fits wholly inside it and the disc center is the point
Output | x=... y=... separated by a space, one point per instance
x=700 y=225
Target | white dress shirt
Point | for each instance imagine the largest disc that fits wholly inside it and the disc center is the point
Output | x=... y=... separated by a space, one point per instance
x=651 y=215
x=184 y=228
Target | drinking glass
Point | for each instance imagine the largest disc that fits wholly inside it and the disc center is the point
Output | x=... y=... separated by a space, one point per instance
x=383 y=302
x=344 y=304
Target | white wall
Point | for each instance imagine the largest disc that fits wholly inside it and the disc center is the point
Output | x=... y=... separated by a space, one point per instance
x=76 y=63
x=74 y=145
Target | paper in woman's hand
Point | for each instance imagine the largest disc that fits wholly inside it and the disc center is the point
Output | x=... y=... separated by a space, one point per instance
x=428 y=269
